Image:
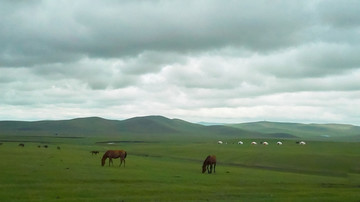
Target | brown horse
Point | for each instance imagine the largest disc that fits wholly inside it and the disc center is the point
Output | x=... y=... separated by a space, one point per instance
x=208 y=164
x=114 y=154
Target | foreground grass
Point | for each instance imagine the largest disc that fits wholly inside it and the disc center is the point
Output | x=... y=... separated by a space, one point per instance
x=170 y=172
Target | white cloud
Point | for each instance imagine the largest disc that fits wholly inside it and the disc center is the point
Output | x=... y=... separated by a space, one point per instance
x=214 y=61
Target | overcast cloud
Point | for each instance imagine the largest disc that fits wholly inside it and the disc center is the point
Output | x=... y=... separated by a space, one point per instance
x=214 y=61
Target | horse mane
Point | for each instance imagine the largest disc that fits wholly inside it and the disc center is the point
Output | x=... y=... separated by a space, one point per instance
x=206 y=160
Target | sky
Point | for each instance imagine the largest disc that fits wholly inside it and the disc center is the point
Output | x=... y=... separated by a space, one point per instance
x=206 y=60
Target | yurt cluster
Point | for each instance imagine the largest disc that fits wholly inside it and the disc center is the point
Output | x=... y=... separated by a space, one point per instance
x=262 y=143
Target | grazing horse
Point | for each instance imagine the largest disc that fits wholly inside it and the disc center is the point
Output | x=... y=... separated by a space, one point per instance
x=21 y=145
x=114 y=154
x=94 y=152
x=208 y=164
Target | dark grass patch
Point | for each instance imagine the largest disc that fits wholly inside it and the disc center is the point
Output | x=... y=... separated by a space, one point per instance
x=291 y=170
x=46 y=136
x=28 y=141
x=126 y=141
x=335 y=185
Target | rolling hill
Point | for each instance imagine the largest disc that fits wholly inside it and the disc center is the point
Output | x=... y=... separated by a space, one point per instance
x=307 y=131
x=162 y=128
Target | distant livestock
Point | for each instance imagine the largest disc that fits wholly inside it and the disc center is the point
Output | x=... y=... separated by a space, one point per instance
x=220 y=142
x=45 y=146
x=240 y=142
x=265 y=143
x=253 y=143
x=279 y=143
x=21 y=145
x=94 y=152
x=209 y=163
x=58 y=147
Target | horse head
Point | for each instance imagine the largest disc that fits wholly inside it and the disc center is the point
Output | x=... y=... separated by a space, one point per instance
x=104 y=159
x=204 y=168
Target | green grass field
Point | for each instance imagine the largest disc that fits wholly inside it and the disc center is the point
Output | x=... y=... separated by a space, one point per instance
x=168 y=171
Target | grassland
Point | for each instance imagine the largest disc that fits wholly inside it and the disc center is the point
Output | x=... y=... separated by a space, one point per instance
x=171 y=171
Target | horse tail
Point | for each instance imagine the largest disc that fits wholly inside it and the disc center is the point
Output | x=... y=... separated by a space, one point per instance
x=103 y=159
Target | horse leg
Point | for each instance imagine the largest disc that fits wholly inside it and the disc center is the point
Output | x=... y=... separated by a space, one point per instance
x=214 y=167
x=110 y=160
x=211 y=166
x=120 y=162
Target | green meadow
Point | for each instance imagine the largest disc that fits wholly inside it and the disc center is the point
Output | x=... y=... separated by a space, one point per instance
x=171 y=171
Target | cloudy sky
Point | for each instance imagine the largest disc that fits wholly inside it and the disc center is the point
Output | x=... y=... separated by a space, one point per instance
x=205 y=60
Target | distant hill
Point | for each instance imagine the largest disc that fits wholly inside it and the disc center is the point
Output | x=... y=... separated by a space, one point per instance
x=158 y=124
x=155 y=127
x=307 y=131
x=76 y=127
x=162 y=128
